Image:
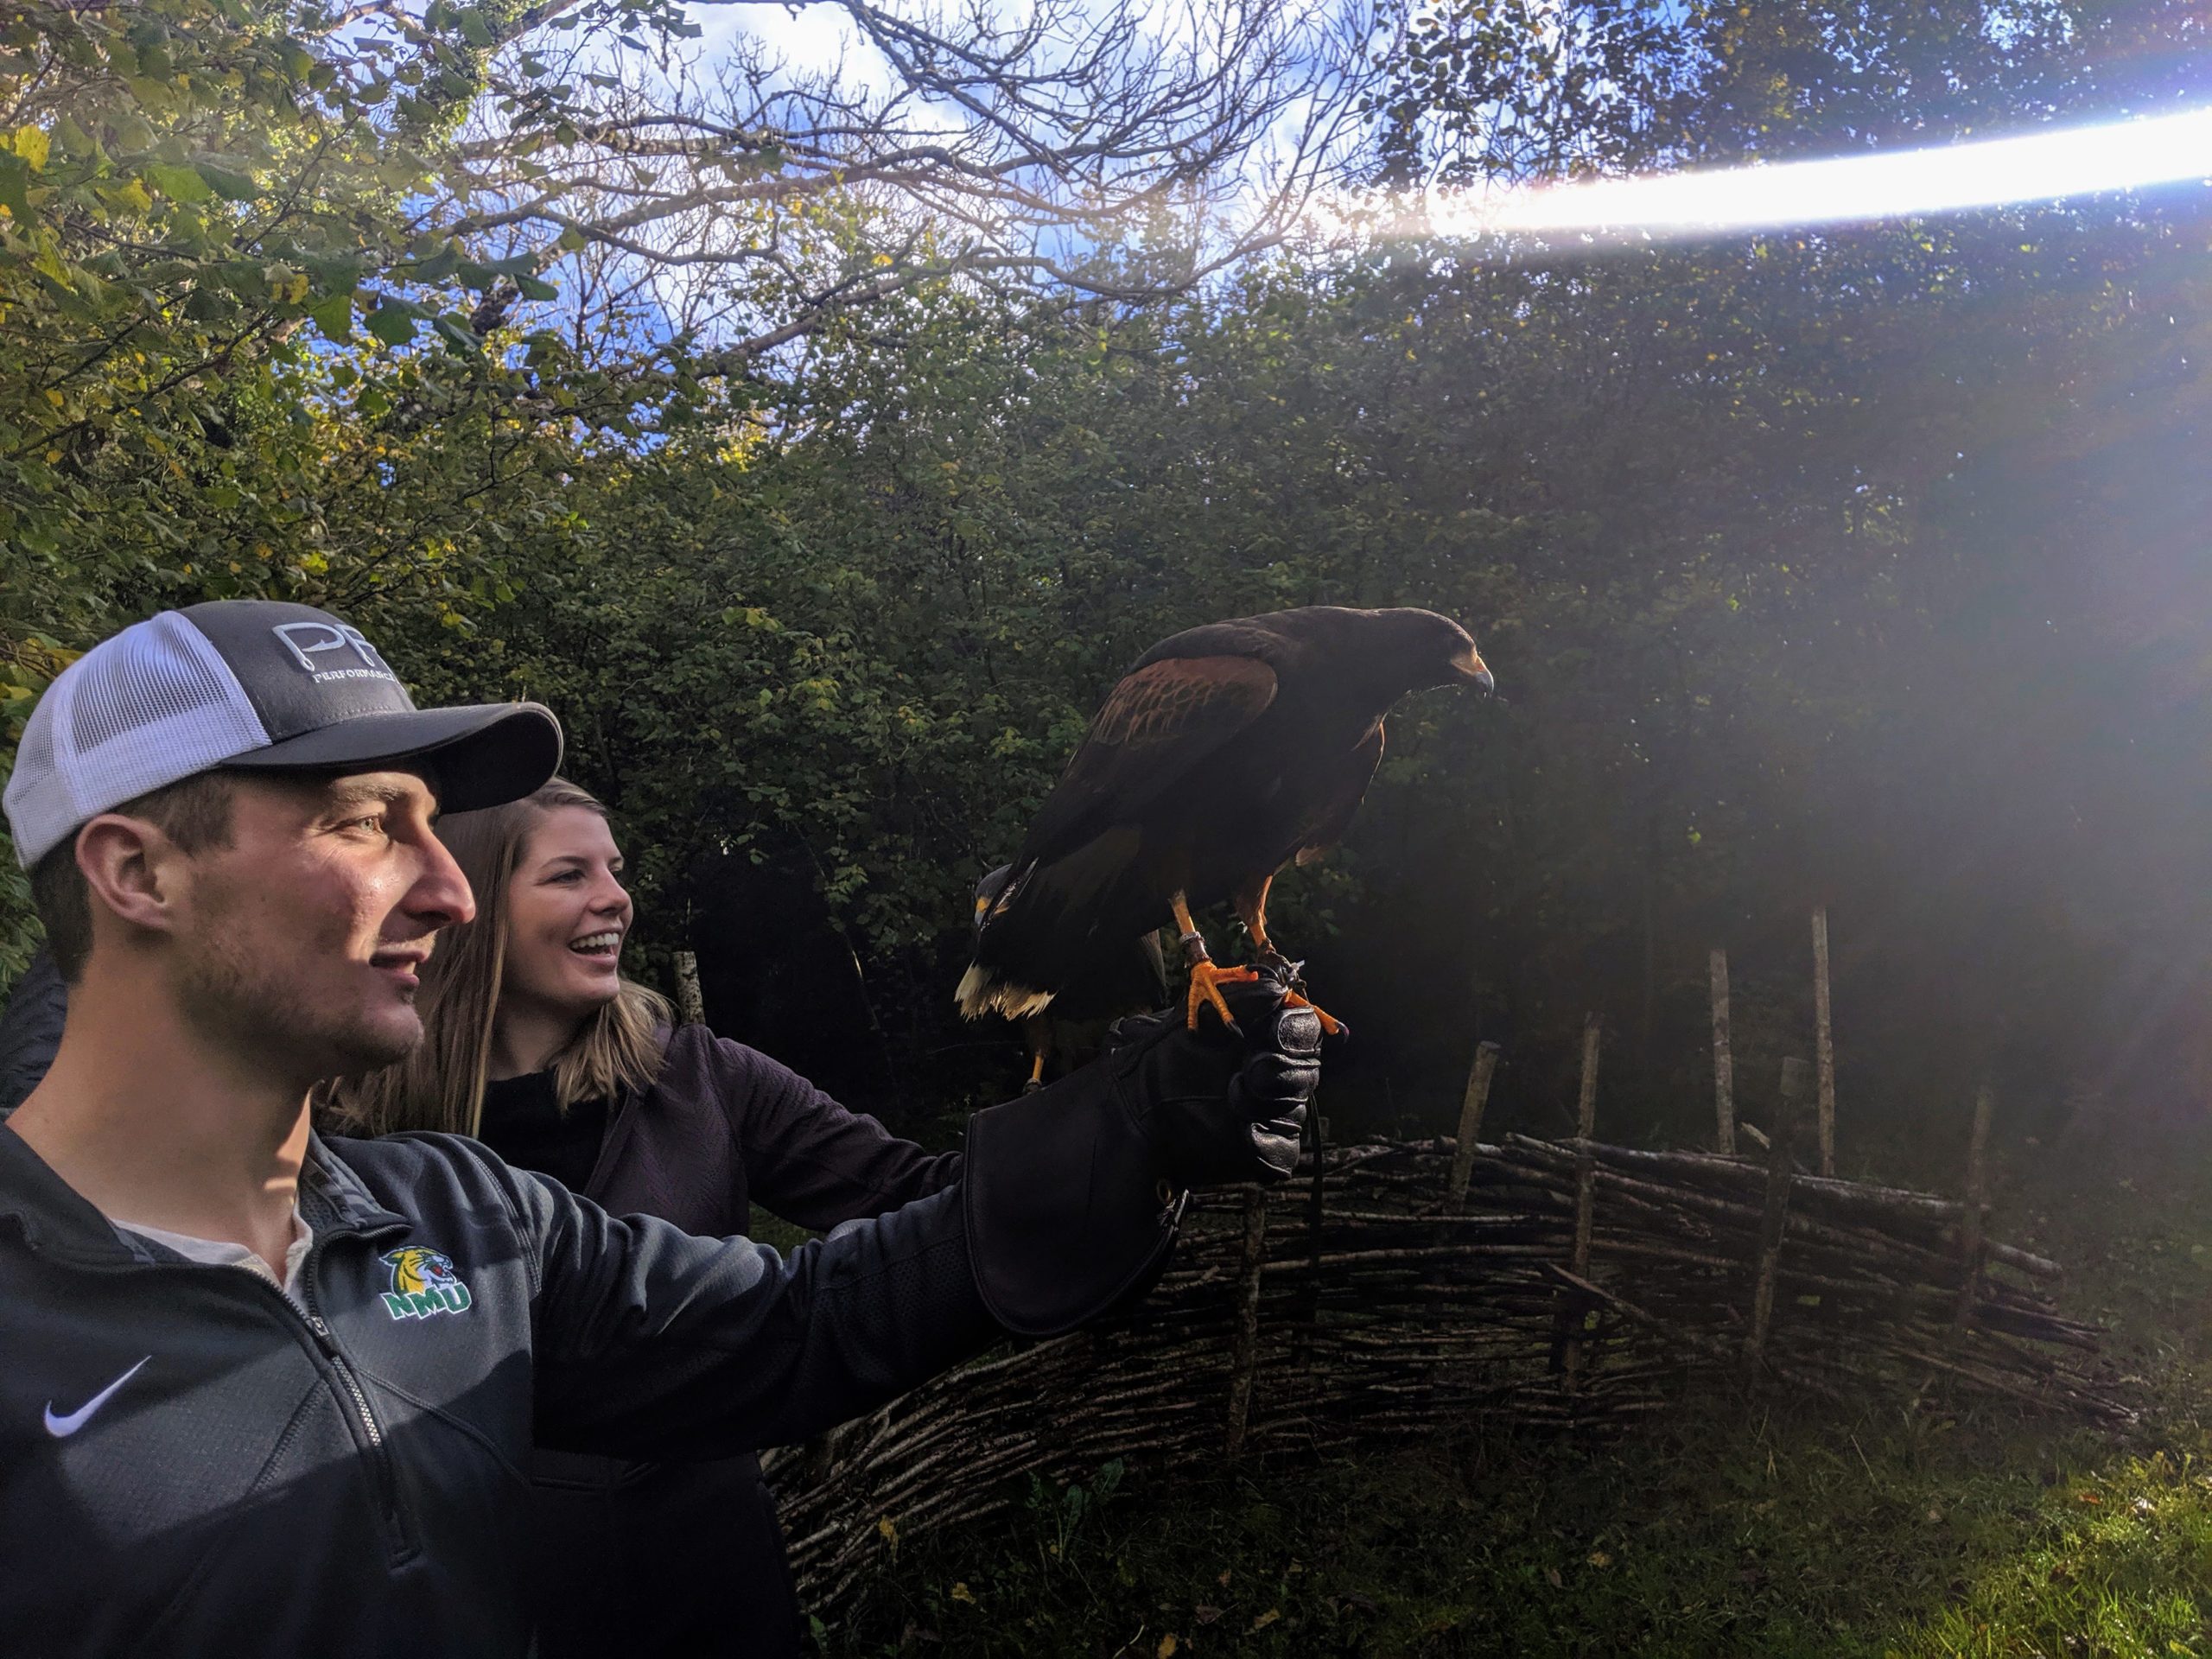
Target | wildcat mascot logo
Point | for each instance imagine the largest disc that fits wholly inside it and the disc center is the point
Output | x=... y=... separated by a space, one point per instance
x=423 y=1283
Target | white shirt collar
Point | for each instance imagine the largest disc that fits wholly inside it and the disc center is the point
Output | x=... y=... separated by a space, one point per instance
x=221 y=1253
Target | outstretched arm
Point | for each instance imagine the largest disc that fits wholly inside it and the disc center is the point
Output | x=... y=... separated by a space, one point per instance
x=650 y=1342
x=654 y=1344
x=809 y=1159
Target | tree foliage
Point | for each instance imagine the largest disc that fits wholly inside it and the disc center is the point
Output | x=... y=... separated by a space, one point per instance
x=1856 y=568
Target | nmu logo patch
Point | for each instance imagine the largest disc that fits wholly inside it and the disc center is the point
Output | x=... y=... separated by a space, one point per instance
x=423 y=1283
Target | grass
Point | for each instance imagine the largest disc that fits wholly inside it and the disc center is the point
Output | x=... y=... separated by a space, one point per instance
x=1737 y=1526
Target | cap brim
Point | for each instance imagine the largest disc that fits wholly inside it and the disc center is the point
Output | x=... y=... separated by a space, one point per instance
x=483 y=754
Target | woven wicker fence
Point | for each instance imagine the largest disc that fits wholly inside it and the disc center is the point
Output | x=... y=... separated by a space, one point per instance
x=1392 y=1290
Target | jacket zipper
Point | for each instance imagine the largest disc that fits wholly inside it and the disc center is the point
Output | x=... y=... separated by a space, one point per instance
x=378 y=1454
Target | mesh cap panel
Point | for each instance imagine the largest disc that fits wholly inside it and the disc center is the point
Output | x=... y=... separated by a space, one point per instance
x=35 y=752
x=168 y=672
x=151 y=705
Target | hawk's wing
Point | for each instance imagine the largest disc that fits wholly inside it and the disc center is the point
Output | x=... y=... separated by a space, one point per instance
x=1158 y=723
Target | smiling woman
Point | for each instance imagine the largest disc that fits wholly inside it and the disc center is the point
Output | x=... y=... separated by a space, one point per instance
x=511 y=993
x=535 y=1044
x=567 y=914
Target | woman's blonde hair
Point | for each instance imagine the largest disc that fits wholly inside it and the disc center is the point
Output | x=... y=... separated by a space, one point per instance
x=441 y=1085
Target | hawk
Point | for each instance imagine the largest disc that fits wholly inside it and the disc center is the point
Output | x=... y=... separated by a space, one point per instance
x=1227 y=751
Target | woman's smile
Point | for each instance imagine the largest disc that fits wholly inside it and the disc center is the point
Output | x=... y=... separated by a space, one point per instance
x=607 y=945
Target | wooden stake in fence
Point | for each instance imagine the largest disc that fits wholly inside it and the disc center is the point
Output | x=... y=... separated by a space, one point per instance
x=1317 y=1217
x=1317 y=1198
x=1724 y=1066
x=1471 y=1120
x=1787 y=1108
x=1824 y=1038
x=1244 y=1351
x=1970 y=1225
x=1585 y=1129
x=1585 y=1189
x=690 y=1006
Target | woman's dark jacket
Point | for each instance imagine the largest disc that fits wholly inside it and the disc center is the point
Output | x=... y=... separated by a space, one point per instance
x=688 y=1558
x=31 y=1029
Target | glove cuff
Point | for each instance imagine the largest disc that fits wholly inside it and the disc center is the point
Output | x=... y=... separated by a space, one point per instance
x=1067 y=1214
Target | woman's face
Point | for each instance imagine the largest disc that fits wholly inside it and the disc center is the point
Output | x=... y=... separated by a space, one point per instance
x=567 y=914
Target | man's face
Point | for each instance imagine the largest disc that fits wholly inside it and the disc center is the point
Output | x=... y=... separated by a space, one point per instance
x=304 y=936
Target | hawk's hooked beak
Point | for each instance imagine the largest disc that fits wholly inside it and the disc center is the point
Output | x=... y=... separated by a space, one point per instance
x=1473 y=671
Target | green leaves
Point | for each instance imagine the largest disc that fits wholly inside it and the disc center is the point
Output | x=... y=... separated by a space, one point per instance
x=179 y=182
x=15 y=188
x=333 y=316
x=229 y=185
x=393 y=322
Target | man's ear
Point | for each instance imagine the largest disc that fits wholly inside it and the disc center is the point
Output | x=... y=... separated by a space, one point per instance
x=130 y=867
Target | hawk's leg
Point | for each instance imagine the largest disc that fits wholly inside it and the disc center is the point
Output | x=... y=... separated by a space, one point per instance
x=1251 y=903
x=1039 y=1033
x=1205 y=978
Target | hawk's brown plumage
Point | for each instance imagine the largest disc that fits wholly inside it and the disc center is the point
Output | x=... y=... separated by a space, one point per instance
x=1226 y=751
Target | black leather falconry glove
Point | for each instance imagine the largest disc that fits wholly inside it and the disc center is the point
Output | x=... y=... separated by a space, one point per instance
x=1073 y=1193
x=1217 y=1108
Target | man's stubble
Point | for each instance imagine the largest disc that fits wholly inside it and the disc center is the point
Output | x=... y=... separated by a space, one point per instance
x=254 y=1003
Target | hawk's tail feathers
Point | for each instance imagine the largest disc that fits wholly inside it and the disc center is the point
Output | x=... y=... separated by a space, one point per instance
x=981 y=991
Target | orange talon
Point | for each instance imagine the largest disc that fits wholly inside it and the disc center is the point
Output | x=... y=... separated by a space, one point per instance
x=1205 y=978
x=1330 y=1024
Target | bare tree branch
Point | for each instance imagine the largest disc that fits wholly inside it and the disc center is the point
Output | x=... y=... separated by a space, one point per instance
x=729 y=194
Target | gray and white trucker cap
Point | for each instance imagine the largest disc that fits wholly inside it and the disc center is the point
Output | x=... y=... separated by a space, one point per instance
x=250 y=682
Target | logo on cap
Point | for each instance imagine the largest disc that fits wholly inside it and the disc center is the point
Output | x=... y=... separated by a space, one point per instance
x=308 y=640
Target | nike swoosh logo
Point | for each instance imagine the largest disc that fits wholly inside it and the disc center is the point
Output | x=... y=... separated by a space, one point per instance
x=62 y=1427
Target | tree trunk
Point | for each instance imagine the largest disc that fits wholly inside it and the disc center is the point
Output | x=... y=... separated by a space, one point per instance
x=690 y=1005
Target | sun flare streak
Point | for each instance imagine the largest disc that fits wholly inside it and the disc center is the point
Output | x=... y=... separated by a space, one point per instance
x=2038 y=167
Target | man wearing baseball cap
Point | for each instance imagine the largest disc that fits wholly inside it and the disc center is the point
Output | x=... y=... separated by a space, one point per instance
x=266 y=1393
